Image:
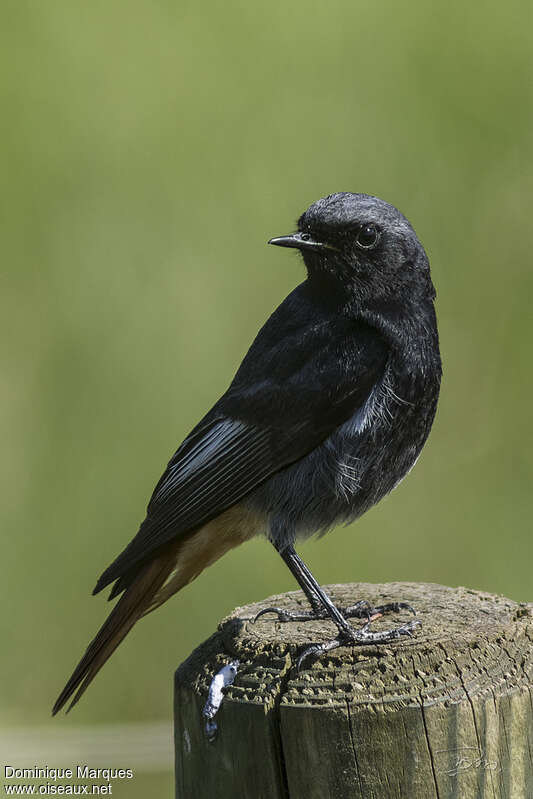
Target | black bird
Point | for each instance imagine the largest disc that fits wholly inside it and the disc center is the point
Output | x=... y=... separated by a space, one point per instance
x=327 y=413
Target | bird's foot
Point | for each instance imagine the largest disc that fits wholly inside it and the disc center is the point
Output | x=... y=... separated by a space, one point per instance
x=361 y=610
x=350 y=637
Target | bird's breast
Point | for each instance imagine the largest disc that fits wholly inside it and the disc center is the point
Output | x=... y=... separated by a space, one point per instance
x=358 y=464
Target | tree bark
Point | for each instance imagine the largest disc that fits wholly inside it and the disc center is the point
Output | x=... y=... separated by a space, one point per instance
x=446 y=713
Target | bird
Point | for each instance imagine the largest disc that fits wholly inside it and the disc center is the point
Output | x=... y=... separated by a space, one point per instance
x=327 y=413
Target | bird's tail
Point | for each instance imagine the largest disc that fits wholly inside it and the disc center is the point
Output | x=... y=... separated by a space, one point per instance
x=148 y=585
x=134 y=602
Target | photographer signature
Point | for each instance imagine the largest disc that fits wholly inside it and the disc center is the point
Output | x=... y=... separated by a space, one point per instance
x=468 y=757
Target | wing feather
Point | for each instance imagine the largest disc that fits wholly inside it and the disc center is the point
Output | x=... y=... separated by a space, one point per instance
x=294 y=387
x=221 y=467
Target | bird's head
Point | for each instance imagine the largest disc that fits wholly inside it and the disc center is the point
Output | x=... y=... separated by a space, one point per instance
x=361 y=244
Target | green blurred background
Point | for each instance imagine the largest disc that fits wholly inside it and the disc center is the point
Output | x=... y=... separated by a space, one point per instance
x=149 y=151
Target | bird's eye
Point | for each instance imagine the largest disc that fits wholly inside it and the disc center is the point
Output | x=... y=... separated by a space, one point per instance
x=305 y=236
x=368 y=236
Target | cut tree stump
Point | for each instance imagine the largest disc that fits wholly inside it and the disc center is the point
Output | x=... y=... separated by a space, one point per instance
x=446 y=713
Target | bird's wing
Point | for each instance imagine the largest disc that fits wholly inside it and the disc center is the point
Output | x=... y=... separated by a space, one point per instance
x=259 y=426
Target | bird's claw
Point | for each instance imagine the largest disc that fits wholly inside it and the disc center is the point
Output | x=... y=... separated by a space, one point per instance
x=394 y=607
x=348 y=636
x=367 y=636
x=360 y=637
x=360 y=610
x=292 y=615
x=313 y=652
x=364 y=608
x=283 y=615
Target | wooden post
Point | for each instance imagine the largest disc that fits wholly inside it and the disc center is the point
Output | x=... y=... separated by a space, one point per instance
x=447 y=713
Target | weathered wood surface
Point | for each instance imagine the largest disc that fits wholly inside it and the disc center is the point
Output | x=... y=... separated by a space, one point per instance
x=447 y=713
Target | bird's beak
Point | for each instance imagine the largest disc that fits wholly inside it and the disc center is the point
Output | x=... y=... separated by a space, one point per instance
x=300 y=241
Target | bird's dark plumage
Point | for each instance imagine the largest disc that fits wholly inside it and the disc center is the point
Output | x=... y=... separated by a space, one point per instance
x=327 y=412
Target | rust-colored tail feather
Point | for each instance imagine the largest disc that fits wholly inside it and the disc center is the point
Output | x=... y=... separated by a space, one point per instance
x=130 y=607
x=147 y=586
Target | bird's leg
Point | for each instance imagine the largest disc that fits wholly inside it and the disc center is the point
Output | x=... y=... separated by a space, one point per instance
x=323 y=607
x=361 y=610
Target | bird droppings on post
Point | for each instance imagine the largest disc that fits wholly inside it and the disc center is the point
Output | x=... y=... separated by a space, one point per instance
x=221 y=680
